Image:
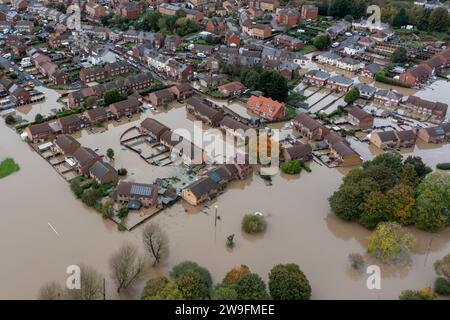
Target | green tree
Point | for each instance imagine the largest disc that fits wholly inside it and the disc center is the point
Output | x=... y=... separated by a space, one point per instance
x=409 y=175
x=433 y=202
x=400 y=55
x=185 y=266
x=39 y=118
x=401 y=203
x=154 y=287
x=122 y=172
x=10 y=120
x=442 y=286
x=252 y=223
x=291 y=167
x=423 y=20
x=110 y=153
x=251 y=79
x=421 y=168
x=192 y=285
x=391 y=243
x=288 y=282
x=107 y=209
x=400 y=19
x=439 y=20
x=442 y=266
x=352 y=95
x=251 y=287
x=90 y=197
x=76 y=187
x=225 y=291
x=273 y=85
x=322 y=41
x=112 y=96
x=375 y=209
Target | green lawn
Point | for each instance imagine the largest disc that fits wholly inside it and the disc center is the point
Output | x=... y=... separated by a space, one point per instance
x=308 y=49
x=7 y=167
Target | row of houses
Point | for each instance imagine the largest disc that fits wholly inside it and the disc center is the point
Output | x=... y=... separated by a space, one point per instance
x=407 y=138
x=98 y=73
x=340 y=149
x=137 y=82
x=333 y=59
x=418 y=74
x=168 y=95
x=84 y=160
x=173 y=68
x=48 y=68
x=321 y=78
x=73 y=123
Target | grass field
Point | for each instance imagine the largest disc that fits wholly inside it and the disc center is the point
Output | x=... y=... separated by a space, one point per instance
x=7 y=167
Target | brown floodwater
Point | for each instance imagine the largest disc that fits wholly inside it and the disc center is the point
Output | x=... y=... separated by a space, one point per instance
x=301 y=228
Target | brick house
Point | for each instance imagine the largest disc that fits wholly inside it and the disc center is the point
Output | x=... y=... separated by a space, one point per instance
x=260 y=31
x=232 y=39
x=416 y=75
x=310 y=127
x=39 y=132
x=309 y=11
x=433 y=134
x=267 y=108
x=96 y=115
x=299 y=151
x=231 y=89
x=288 y=16
x=360 y=118
x=103 y=172
x=387 y=98
x=265 y=5
x=317 y=77
x=125 y=107
x=66 y=144
x=200 y=191
x=421 y=106
x=204 y=112
x=216 y=25
x=384 y=140
x=146 y=194
x=153 y=128
x=182 y=91
x=339 y=83
x=69 y=124
x=84 y=159
x=139 y=82
x=95 y=10
x=160 y=97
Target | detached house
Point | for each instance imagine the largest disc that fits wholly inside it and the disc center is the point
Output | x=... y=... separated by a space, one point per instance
x=96 y=115
x=339 y=83
x=299 y=151
x=384 y=140
x=267 y=108
x=125 y=107
x=317 y=77
x=103 y=172
x=153 y=128
x=39 y=132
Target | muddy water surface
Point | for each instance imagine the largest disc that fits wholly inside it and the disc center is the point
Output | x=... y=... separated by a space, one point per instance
x=301 y=228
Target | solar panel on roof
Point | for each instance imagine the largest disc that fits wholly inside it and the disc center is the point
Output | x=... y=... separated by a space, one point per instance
x=141 y=190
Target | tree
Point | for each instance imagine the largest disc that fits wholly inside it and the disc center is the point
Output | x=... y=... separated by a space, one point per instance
x=91 y=285
x=156 y=242
x=439 y=20
x=442 y=266
x=251 y=79
x=288 y=282
x=401 y=203
x=39 y=118
x=107 y=209
x=185 y=266
x=192 y=285
x=10 y=120
x=400 y=55
x=154 y=287
x=112 y=96
x=423 y=20
x=400 y=19
x=352 y=95
x=110 y=153
x=322 y=41
x=251 y=287
x=224 y=291
x=421 y=294
x=273 y=85
x=391 y=243
x=409 y=176
x=442 y=286
x=291 y=167
x=90 y=102
x=433 y=202
x=252 y=223
x=375 y=209
x=90 y=197
x=76 y=187
x=233 y=276
x=51 y=291
x=126 y=266
x=421 y=168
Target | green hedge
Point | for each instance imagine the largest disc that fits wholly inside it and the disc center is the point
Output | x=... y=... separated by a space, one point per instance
x=443 y=166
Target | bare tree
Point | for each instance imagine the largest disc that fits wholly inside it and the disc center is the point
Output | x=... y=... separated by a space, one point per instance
x=91 y=285
x=51 y=291
x=126 y=266
x=156 y=242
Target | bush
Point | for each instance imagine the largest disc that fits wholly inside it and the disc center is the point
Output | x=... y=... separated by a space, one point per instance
x=442 y=286
x=225 y=291
x=422 y=294
x=251 y=287
x=122 y=172
x=253 y=223
x=443 y=166
x=291 y=167
x=185 y=266
x=10 y=120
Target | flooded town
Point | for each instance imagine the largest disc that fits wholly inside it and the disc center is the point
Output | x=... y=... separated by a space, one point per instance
x=202 y=150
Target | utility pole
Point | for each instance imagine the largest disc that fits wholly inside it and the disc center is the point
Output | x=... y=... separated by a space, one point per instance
x=104 y=289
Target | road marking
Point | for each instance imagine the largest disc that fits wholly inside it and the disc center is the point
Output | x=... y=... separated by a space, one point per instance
x=54 y=230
